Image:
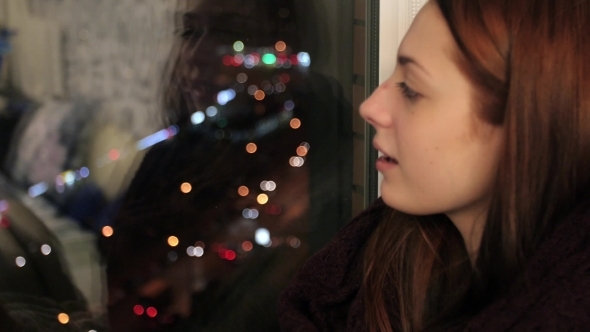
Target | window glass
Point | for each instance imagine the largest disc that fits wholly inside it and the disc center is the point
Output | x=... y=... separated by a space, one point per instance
x=169 y=165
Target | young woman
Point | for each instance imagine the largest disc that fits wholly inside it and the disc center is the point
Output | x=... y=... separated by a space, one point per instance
x=484 y=220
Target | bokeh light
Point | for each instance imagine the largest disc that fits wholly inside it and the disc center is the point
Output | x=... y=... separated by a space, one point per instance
x=289 y=105
x=186 y=188
x=243 y=191
x=114 y=155
x=262 y=199
x=63 y=318
x=20 y=261
x=295 y=123
x=281 y=46
x=45 y=249
x=199 y=251
x=269 y=59
x=251 y=148
x=173 y=241
x=262 y=237
x=230 y=255
x=138 y=310
x=152 y=312
x=301 y=151
x=259 y=95
x=107 y=231
x=198 y=117
x=296 y=161
x=242 y=78
x=295 y=242
x=247 y=246
x=238 y=46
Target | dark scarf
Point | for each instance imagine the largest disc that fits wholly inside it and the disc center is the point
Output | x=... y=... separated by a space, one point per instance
x=324 y=295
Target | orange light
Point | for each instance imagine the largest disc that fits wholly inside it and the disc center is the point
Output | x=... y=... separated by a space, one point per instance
x=247 y=246
x=107 y=231
x=302 y=151
x=259 y=95
x=243 y=191
x=251 y=148
x=295 y=123
x=186 y=187
x=262 y=199
x=173 y=241
x=281 y=46
x=63 y=318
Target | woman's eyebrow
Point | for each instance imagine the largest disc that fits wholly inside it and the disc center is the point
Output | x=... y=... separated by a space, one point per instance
x=404 y=60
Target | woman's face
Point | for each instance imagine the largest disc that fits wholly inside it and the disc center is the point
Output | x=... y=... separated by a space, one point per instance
x=439 y=156
x=209 y=29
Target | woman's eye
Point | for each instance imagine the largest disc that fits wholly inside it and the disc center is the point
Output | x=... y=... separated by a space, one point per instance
x=406 y=91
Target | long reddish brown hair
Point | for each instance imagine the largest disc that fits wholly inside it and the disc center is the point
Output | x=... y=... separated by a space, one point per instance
x=529 y=62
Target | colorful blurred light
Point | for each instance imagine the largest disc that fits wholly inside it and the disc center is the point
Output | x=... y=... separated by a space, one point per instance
x=107 y=231
x=247 y=246
x=281 y=46
x=45 y=249
x=20 y=261
x=262 y=237
x=63 y=318
x=251 y=148
x=138 y=310
x=301 y=151
x=173 y=241
x=243 y=191
x=295 y=123
x=151 y=312
x=238 y=46
x=186 y=188
x=262 y=199
x=230 y=255
x=269 y=59
x=259 y=95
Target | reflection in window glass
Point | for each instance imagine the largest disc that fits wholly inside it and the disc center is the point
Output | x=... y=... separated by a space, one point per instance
x=168 y=165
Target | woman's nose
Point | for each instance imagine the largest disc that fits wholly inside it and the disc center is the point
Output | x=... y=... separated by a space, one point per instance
x=377 y=109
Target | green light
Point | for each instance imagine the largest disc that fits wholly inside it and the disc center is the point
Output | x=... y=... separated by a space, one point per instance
x=269 y=59
x=238 y=46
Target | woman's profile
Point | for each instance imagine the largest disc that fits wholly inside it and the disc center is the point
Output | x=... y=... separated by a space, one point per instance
x=484 y=219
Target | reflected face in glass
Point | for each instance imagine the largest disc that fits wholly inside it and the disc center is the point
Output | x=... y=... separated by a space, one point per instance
x=439 y=156
x=211 y=30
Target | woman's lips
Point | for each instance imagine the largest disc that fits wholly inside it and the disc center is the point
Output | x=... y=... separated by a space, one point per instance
x=385 y=163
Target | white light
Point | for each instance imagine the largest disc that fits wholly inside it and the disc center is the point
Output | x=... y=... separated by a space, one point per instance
x=199 y=251
x=263 y=185
x=197 y=117
x=45 y=249
x=247 y=213
x=296 y=161
x=254 y=214
x=262 y=237
x=153 y=139
x=20 y=261
x=271 y=186
x=305 y=145
x=69 y=178
x=190 y=251
x=211 y=111
x=225 y=96
x=304 y=59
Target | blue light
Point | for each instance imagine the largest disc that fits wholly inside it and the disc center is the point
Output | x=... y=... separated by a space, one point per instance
x=153 y=139
x=198 y=117
x=3 y=206
x=38 y=189
x=225 y=96
x=304 y=59
x=211 y=111
x=84 y=172
x=289 y=105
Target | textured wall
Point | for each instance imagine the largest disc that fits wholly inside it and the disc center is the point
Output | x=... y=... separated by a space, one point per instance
x=115 y=51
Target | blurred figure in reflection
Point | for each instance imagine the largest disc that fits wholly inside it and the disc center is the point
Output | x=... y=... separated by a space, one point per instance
x=219 y=217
